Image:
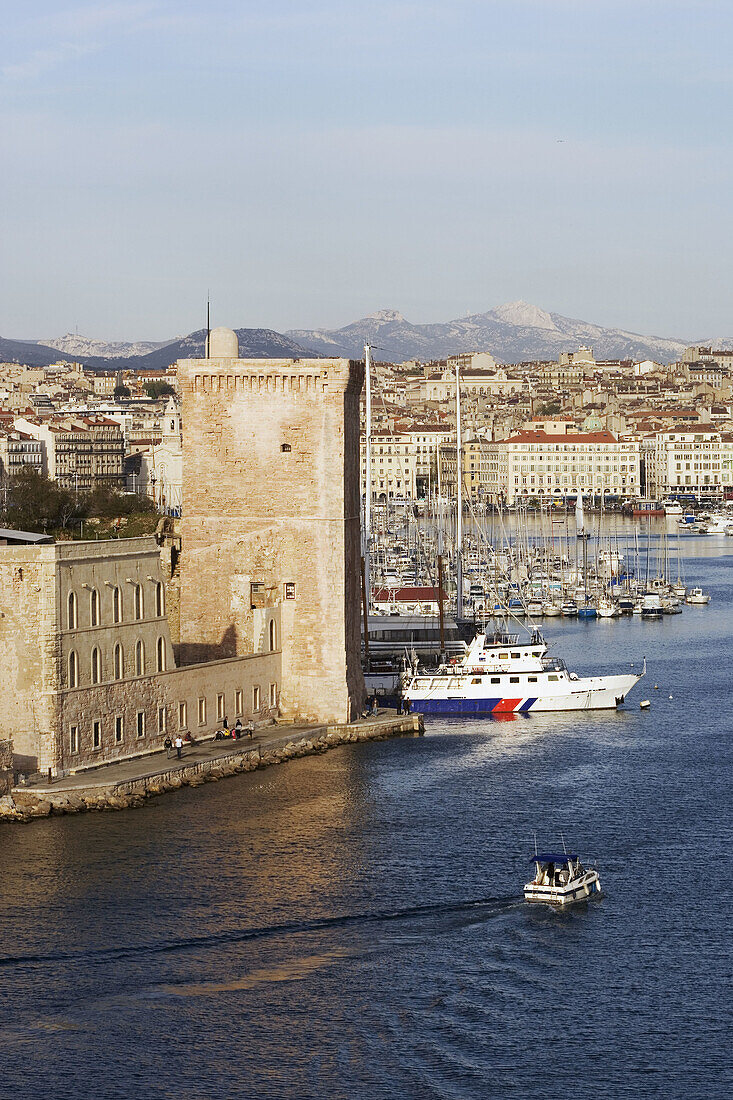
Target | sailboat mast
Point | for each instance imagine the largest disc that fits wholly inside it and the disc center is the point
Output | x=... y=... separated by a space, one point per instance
x=459 y=500
x=368 y=488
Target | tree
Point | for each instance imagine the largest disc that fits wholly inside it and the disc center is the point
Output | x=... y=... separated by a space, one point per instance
x=155 y=390
x=121 y=391
x=550 y=408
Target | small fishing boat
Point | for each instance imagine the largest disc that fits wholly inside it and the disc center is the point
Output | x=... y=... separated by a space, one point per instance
x=696 y=595
x=561 y=878
x=568 y=609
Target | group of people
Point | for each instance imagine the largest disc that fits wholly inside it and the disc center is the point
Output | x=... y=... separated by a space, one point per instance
x=236 y=731
x=372 y=708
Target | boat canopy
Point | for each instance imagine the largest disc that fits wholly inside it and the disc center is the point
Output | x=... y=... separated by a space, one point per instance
x=554 y=857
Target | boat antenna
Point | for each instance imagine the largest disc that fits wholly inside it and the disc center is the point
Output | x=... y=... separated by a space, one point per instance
x=535 y=841
x=562 y=838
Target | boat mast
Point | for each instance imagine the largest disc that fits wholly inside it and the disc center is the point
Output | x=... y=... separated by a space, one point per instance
x=367 y=540
x=459 y=500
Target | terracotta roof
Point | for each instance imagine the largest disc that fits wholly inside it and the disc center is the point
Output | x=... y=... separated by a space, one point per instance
x=569 y=437
x=408 y=595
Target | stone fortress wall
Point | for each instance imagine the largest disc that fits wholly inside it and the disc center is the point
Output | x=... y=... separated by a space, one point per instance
x=264 y=597
x=88 y=672
x=271 y=519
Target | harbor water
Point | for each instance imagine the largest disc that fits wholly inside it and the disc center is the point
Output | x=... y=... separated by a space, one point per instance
x=352 y=925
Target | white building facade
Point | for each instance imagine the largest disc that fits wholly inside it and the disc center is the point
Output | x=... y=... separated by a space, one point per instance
x=536 y=464
x=697 y=461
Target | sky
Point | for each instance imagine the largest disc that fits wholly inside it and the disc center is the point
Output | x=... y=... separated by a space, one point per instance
x=308 y=163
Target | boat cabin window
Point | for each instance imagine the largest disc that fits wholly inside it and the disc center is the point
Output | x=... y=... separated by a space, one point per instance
x=536 y=652
x=516 y=654
x=531 y=679
x=503 y=656
x=495 y=680
x=552 y=676
x=513 y=679
x=476 y=680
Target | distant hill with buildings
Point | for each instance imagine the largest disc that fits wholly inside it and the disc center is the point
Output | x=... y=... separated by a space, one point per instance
x=254 y=343
x=513 y=332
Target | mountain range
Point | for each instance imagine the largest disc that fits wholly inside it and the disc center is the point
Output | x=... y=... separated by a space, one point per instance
x=513 y=332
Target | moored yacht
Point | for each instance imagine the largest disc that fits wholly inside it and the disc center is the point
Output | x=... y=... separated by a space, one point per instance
x=499 y=674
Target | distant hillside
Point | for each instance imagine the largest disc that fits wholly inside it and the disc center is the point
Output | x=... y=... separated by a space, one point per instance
x=513 y=332
x=254 y=343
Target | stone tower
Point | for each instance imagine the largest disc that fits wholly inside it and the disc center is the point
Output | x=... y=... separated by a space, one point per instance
x=271 y=519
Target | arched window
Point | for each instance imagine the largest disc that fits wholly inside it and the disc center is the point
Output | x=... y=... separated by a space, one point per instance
x=159 y=600
x=73 y=669
x=96 y=666
x=161 y=654
x=117 y=604
x=94 y=607
x=139 y=658
x=72 y=611
x=273 y=636
x=138 y=601
x=119 y=662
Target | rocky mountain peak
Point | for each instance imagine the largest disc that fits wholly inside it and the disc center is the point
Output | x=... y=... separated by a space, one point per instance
x=525 y=315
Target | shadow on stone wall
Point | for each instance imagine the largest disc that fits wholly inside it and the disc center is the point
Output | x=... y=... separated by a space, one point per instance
x=198 y=653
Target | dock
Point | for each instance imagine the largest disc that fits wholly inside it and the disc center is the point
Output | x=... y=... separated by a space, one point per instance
x=126 y=784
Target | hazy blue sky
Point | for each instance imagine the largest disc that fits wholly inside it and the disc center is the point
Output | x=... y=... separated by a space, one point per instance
x=313 y=162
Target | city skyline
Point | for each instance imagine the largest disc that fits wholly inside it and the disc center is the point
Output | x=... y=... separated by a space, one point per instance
x=311 y=167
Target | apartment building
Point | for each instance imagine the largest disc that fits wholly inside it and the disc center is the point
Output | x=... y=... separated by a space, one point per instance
x=692 y=461
x=405 y=462
x=81 y=453
x=17 y=450
x=537 y=464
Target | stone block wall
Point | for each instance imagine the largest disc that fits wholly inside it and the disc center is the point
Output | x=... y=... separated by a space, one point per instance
x=6 y=767
x=271 y=499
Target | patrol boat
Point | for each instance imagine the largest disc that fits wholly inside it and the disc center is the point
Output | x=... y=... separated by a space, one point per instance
x=561 y=878
x=500 y=675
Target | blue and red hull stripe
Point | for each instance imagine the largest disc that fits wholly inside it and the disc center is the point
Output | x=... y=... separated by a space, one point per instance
x=476 y=707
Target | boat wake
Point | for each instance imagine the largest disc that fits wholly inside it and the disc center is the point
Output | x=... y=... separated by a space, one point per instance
x=475 y=909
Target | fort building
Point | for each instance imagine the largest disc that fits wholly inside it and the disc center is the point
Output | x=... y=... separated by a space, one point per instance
x=271 y=503
x=87 y=665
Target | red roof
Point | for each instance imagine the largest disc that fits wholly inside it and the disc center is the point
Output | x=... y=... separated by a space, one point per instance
x=419 y=593
x=569 y=437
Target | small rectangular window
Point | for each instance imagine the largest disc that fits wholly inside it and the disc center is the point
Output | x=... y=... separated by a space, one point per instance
x=141 y=723
x=513 y=679
x=531 y=679
x=220 y=706
x=239 y=701
x=476 y=680
x=162 y=720
x=256 y=698
x=202 y=712
x=97 y=734
x=496 y=680
x=273 y=695
x=119 y=728
x=74 y=738
x=552 y=676
x=182 y=716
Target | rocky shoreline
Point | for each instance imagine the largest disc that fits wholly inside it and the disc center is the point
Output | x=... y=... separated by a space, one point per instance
x=24 y=804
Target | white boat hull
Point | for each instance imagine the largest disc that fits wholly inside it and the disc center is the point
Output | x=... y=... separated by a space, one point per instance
x=450 y=695
x=577 y=890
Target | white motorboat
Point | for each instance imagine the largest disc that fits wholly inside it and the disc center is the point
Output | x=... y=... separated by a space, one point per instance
x=500 y=675
x=561 y=878
x=672 y=508
x=696 y=595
